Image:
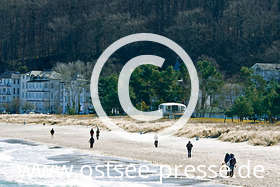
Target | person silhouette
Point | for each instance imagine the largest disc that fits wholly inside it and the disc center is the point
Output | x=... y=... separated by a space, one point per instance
x=91 y=142
x=189 y=148
x=156 y=141
x=52 y=132
x=97 y=133
x=232 y=163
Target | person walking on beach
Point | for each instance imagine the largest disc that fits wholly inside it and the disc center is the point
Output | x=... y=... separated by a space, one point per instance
x=189 y=148
x=156 y=141
x=91 y=132
x=232 y=163
x=227 y=157
x=226 y=162
x=52 y=132
x=91 y=142
x=97 y=133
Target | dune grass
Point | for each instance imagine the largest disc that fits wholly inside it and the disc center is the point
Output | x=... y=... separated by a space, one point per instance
x=40 y=119
x=254 y=134
x=261 y=134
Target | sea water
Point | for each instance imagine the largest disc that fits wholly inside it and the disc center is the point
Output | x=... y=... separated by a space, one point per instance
x=16 y=155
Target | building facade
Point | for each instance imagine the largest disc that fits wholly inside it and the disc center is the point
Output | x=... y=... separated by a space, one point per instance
x=9 y=88
x=267 y=71
x=43 y=92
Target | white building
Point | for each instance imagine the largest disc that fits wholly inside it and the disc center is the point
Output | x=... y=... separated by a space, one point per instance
x=267 y=71
x=9 y=88
x=172 y=110
x=41 y=92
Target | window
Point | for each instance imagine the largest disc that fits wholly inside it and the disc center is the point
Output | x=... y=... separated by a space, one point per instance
x=174 y=108
x=182 y=109
x=168 y=108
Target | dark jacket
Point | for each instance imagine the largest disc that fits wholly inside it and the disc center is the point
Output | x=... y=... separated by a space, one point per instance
x=189 y=146
x=91 y=140
x=227 y=157
x=232 y=162
x=52 y=132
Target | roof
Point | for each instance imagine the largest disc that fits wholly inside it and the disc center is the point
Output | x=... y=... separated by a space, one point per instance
x=9 y=74
x=172 y=104
x=34 y=73
x=44 y=74
x=269 y=67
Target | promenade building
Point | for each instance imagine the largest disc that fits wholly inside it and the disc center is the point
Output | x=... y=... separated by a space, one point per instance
x=9 y=88
x=43 y=92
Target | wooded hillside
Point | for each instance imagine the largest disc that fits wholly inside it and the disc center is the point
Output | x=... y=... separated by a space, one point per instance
x=36 y=34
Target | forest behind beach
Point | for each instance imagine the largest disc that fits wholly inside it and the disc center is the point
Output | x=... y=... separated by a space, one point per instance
x=234 y=33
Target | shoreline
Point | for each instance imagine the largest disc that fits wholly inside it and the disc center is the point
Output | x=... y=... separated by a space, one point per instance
x=69 y=157
x=140 y=147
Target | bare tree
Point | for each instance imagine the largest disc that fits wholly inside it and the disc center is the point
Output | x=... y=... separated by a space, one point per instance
x=75 y=76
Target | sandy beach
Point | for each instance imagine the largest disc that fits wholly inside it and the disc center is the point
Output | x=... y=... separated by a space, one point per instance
x=171 y=149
